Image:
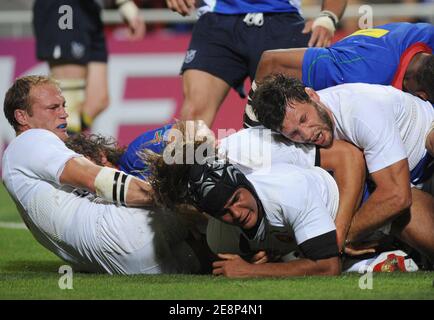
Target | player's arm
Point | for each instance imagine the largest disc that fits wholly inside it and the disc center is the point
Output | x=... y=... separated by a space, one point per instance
x=192 y=130
x=112 y=185
x=390 y=198
x=287 y=61
x=348 y=165
x=321 y=259
x=131 y=15
x=324 y=26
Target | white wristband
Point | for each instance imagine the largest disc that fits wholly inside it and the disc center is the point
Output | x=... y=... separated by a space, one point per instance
x=326 y=22
x=128 y=9
x=249 y=109
x=254 y=86
x=112 y=185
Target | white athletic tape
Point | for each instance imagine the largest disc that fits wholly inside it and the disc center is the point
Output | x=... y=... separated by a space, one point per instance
x=250 y=113
x=331 y=14
x=112 y=185
x=128 y=9
x=248 y=110
x=254 y=86
x=326 y=22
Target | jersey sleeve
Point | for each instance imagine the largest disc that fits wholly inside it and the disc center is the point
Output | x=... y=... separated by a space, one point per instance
x=379 y=138
x=259 y=148
x=42 y=155
x=306 y=212
x=321 y=247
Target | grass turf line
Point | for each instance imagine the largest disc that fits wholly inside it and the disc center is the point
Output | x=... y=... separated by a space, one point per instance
x=29 y=271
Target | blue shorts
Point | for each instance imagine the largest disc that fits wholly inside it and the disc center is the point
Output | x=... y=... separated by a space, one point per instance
x=423 y=171
x=82 y=44
x=224 y=46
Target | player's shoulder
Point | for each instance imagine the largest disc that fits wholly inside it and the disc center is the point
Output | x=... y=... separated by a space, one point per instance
x=278 y=187
x=37 y=134
x=281 y=177
x=355 y=94
x=31 y=139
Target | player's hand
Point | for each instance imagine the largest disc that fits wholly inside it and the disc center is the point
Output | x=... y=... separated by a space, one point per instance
x=183 y=7
x=259 y=258
x=366 y=248
x=231 y=266
x=197 y=130
x=137 y=28
x=321 y=37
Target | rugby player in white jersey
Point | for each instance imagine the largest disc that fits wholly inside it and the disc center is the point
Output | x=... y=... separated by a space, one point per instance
x=249 y=149
x=259 y=148
x=275 y=211
x=76 y=209
x=391 y=127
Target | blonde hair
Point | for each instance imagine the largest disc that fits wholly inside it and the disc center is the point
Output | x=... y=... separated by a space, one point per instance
x=18 y=96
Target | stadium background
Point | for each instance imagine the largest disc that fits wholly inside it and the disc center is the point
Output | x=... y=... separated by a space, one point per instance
x=146 y=92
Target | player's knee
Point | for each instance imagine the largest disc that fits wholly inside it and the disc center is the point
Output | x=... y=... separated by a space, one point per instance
x=196 y=106
x=96 y=103
x=104 y=102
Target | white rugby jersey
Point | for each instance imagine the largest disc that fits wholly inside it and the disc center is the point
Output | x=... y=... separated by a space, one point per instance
x=387 y=124
x=92 y=235
x=299 y=204
x=259 y=148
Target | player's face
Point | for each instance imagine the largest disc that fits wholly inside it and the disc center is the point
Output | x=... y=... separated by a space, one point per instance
x=48 y=110
x=241 y=210
x=308 y=123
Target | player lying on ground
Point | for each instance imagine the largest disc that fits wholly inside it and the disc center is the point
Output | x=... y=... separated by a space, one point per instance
x=264 y=148
x=275 y=211
x=415 y=228
x=81 y=211
x=393 y=128
x=250 y=149
x=397 y=54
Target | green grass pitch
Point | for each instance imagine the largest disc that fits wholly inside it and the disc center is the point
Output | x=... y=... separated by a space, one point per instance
x=29 y=271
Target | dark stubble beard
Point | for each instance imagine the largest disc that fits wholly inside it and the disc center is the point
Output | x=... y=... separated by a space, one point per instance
x=326 y=120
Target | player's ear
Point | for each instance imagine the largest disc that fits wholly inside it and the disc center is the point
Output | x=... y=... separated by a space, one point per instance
x=312 y=94
x=21 y=116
